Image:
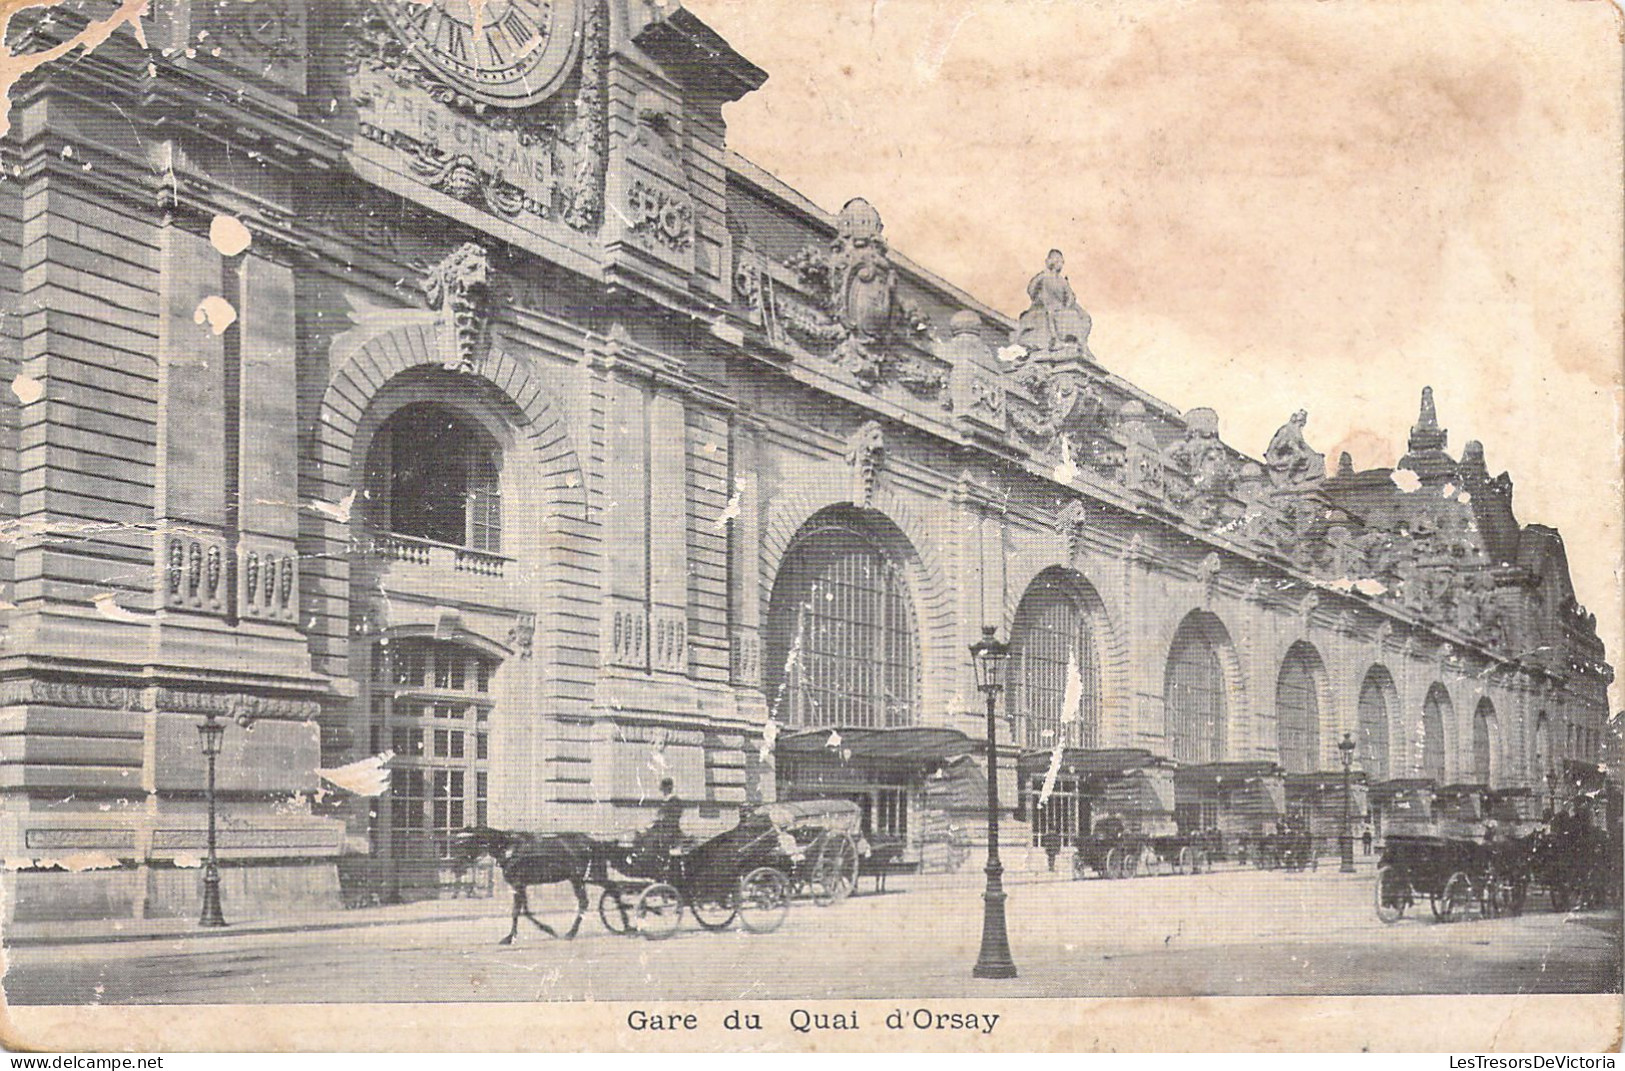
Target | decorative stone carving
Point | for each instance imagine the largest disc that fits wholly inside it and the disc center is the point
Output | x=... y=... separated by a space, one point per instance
x=860 y=321
x=1070 y=523
x=1307 y=606
x=1141 y=469
x=546 y=161
x=212 y=572
x=522 y=634
x=1293 y=465
x=669 y=642
x=1203 y=468
x=1207 y=575
x=660 y=214
x=251 y=577
x=458 y=289
x=1055 y=323
x=865 y=452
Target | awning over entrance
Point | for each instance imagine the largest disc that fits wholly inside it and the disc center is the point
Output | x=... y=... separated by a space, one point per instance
x=1248 y=792
x=911 y=745
x=1091 y=764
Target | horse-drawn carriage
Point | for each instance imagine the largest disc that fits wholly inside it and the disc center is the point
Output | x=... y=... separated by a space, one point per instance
x=750 y=872
x=1456 y=876
x=1119 y=854
x=1292 y=849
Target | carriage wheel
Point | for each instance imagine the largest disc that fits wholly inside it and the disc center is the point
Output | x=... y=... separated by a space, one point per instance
x=1186 y=863
x=1453 y=900
x=659 y=911
x=714 y=914
x=1114 y=863
x=614 y=912
x=1131 y=864
x=763 y=899
x=1393 y=894
x=835 y=869
x=1201 y=864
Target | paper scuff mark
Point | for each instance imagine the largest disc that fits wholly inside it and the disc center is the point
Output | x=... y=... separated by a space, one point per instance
x=1011 y=354
x=1406 y=480
x=1067 y=470
x=188 y=862
x=27 y=389
x=228 y=235
x=365 y=777
x=770 y=739
x=729 y=512
x=14 y=67
x=106 y=604
x=215 y=311
x=337 y=511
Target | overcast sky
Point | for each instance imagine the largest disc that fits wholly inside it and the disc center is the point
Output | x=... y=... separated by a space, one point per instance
x=1264 y=206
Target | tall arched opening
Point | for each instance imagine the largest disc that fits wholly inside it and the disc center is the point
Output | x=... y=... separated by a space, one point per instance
x=1371 y=738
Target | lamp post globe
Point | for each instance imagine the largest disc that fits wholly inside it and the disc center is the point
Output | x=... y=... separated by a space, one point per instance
x=1345 y=751
x=990 y=656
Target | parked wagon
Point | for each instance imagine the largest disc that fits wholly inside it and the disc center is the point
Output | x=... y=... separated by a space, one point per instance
x=1455 y=876
x=829 y=846
x=1117 y=854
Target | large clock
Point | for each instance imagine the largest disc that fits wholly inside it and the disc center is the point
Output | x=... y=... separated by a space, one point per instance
x=510 y=53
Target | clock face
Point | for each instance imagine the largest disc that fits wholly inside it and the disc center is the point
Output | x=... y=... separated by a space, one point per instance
x=510 y=53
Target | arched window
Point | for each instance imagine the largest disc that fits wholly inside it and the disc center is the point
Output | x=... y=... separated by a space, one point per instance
x=431 y=705
x=1484 y=744
x=1054 y=668
x=1372 y=743
x=1193 y=694
x=435 y=474
x=842 y=643
x=1429 y=750
x=1297 y=710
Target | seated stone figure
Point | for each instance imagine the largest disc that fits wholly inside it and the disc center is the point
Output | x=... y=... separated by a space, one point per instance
x=1291 y=461
x=1055 y=323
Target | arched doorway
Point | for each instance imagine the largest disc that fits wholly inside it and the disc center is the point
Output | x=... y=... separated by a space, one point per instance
x=1055 y=665
x=1194 y=690
x=1371 y=741
x=1428 y=750
x=1297 y=709
x=1486 y=768
x=843 y=645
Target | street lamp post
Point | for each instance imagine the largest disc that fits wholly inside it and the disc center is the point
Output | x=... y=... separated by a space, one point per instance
x=989 y=657
x=1345 y=751
x=211 y=732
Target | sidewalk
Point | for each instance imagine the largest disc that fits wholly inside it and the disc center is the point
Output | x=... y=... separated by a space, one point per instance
x=98 y=931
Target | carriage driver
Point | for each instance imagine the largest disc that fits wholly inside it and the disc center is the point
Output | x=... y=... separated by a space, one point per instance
x=667 y=831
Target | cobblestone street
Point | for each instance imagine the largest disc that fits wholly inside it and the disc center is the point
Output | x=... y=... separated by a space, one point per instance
x=1238 y=932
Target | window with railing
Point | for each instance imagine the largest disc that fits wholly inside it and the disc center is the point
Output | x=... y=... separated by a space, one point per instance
x=431 y=700
x=1054 y=670
x=842 y=643
x=436 y=475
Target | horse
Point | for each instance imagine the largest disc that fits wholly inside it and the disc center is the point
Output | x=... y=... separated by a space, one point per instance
x=528 y=859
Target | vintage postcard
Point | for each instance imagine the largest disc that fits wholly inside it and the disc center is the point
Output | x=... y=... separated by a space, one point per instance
x=871 y=524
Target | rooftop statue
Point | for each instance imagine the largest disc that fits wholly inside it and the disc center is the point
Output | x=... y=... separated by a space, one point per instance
x=1293 y=464
x=1055 y=323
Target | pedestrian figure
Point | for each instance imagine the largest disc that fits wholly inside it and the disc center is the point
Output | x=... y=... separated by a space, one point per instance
x=1051 y=843
x=1365 y=841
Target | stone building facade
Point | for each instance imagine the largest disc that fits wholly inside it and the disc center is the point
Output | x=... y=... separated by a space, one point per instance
x=540 y=441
